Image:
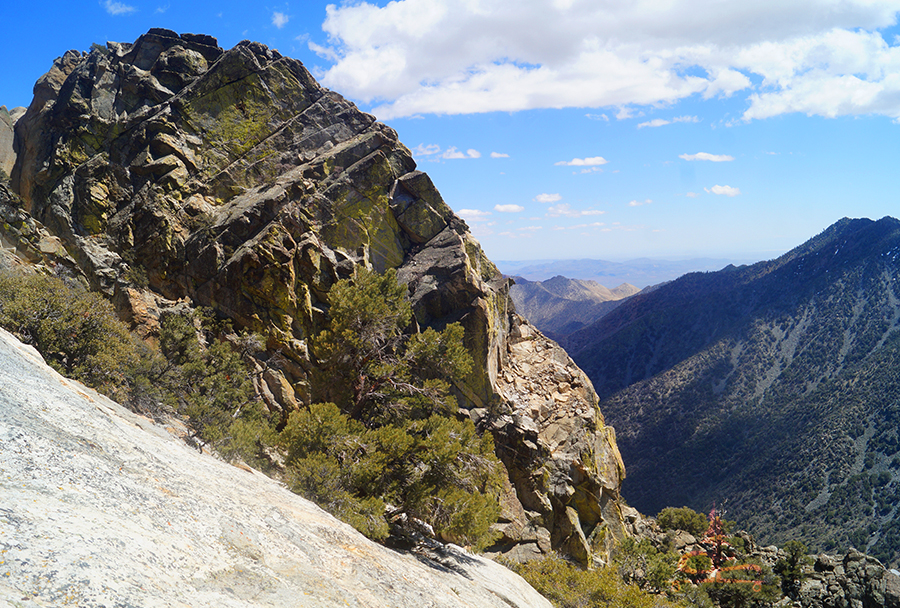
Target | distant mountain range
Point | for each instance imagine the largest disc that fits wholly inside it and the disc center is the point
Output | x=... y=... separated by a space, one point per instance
x=560 y=306
x=771 y=388
x=640 y=272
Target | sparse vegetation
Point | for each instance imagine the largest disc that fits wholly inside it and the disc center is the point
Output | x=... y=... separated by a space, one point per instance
x=684 y=518
x=568 y=586
x=77 y=332
x=388 y=439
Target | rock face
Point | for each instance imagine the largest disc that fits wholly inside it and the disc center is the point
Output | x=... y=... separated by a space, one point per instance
x=102 y=507
x=7 y=129
x=172 y=170
x=854 y=580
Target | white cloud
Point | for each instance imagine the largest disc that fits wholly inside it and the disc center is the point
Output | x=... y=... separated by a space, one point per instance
x=583 y=162
x=602 y=117
x=565 y=210
x=726 y=190
x=716 y=158
x=499 y=155
x=279 y=20
x=473 y=215
x=660 y=122
x=118 y=8
x=453 y=153
x=426 y=149
x=692 y=195
x=547 y=198
x=162 y=9
x=637 y=203
x=448 y=57
x=656 y=122
x=509 y=208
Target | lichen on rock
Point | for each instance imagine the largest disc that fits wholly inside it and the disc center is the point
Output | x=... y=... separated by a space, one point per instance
x=232 y=180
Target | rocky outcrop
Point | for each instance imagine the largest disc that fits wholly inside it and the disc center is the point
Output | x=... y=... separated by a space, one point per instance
x=102 y=507
x=854 y=580
x=550 y=417
x=173 y=170
x=7 y=129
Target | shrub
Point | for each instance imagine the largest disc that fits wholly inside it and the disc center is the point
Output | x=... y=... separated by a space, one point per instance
x=388 y=432
x=641 y=563
x=567 y=586
x=437 y=470
x=76 y=331
x=685 y=518
x=78 y=334
x=213 y=386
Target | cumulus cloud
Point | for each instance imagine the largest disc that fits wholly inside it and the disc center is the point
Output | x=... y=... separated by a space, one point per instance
x=442 y=56
x=473 y=215
x=509 y=208
x=453 y=153
x=279 y=20
x=583 y=162
x=565 y=210
x=716 y=158
x=499 y=155
x=118 y=8
x=547 y=198
x=660 y=122
x=656 y=122
x=726 y=190
x=426 y=149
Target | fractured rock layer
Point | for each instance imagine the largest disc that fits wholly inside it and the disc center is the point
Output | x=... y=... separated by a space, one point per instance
x=231 y=179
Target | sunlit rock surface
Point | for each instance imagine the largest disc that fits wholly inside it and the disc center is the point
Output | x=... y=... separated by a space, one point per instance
x=101 y=507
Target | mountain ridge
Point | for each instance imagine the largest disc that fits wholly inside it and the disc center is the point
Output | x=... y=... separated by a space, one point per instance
x=766 y=385
x=560 y=305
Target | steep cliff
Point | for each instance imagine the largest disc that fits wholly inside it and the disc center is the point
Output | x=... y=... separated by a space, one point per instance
x=171 y=170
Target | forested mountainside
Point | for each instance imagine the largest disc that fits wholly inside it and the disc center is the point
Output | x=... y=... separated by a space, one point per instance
x=170 y=173
x=771 y=389
x=560 y=306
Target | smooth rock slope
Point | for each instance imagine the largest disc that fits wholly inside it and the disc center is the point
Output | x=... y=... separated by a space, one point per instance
x=100 y=507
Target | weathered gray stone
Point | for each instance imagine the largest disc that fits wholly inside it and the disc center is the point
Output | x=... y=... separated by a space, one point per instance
x=232 y=180
x=7 y=132
x=104 y=508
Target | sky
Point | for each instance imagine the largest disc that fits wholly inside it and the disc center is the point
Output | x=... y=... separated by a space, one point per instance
x=568 y=129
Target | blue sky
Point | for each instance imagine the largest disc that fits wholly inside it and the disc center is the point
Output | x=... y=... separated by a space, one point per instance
x=566 y=129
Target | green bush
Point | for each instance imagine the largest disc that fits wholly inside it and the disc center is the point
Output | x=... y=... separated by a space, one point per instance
x=685 y=518
x=644 y=565
x=78 y=334
x=790 y=567
x=213 y=385
x=386 y=431
x=567 y=586
x=76 y=331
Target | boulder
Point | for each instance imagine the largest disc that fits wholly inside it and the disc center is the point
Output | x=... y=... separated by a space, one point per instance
x=849 y=581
